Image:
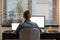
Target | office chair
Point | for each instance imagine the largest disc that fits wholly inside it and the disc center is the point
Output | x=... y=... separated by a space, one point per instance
x=29 y=34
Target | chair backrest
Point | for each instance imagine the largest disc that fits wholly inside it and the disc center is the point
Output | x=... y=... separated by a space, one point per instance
x=29 y=34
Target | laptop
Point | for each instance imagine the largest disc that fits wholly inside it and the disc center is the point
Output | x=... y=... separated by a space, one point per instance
x=14 y=26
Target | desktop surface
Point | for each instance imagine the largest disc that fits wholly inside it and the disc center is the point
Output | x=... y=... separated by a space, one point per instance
x=43 y=35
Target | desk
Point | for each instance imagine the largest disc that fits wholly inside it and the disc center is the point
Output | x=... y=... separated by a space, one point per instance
x=50 y=36
x=10 y=35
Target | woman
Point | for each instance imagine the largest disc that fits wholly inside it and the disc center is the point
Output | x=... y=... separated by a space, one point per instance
x=27 y=23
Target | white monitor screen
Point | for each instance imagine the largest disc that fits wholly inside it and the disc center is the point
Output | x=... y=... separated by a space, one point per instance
x=15 y=25
x=39 y=21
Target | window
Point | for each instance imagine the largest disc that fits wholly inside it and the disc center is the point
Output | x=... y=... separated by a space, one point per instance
x=45 y=8
x=13 y=10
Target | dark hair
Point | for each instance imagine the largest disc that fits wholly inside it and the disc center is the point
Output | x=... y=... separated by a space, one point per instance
x=26 y=14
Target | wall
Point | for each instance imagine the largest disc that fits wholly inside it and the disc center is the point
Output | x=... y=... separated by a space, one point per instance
x=59 y=13
x=2 y=28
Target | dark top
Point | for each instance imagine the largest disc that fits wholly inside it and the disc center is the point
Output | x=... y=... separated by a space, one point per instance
x=27 y=24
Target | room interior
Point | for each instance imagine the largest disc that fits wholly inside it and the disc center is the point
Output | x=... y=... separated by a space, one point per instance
x=56 y=17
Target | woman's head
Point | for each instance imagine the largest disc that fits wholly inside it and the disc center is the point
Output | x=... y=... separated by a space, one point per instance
x=27 y=14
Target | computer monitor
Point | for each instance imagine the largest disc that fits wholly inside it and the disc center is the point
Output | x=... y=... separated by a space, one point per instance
x=39 y=20
x=15 y=25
